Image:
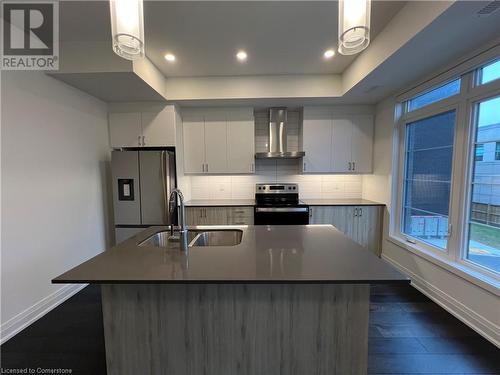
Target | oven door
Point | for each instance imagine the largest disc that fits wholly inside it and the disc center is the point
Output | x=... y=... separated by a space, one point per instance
x=296 y=215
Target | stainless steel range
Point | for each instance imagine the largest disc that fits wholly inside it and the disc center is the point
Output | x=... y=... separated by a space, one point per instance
x=279 y=204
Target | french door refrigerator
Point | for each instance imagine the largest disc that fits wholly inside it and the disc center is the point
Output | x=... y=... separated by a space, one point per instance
x=142 y=182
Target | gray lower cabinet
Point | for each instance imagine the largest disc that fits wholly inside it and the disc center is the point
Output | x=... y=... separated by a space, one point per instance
x=362 y=224
x=219 y=215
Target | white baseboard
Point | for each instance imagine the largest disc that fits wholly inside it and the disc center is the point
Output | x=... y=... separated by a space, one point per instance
x=489 y=330
x=22 y=320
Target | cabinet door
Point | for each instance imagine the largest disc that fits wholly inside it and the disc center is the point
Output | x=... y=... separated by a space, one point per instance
x=194 y=145
x=216 y=215
x=341 y=145
x=194 y=216
x=369 y=225
x=343 y=220
x=240 y=142
x=125 y=129
x=216 y=144
x=321 y=215
x=362 y=143
x=158 y=128
x=317 y=142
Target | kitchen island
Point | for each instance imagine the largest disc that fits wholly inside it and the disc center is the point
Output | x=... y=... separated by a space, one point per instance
x=285 y=300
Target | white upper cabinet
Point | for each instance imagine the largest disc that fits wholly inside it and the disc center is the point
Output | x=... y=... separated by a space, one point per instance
x=215 y=144
x=219 y=141
x=194 y=144
x=158 y=128
x=341 y=153
x=240 y=142
x=337 y=143
x=362 y=143
x=125 y=129
x=143 y=129
x=317 y=142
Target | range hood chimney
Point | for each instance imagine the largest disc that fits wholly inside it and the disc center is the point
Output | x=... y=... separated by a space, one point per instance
x=278 y=131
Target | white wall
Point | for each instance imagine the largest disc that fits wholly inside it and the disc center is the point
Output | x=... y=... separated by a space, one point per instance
x=475 y=306
x=55 y=163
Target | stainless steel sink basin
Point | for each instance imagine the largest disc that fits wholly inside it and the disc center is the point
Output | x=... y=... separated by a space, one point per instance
x=160 y=239
x=218 y=238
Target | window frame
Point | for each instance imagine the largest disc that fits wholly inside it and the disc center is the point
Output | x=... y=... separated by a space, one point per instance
x=479 y=72
x=454 y=259
x=410 y=117
x=472 y=107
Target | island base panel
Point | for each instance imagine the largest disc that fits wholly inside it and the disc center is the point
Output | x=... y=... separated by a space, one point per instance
x=228 y=329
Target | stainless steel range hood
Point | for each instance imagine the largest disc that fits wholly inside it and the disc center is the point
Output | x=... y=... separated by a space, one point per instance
x=277 y=148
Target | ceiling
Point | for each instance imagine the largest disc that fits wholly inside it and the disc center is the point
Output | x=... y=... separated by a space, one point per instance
x=281 y=37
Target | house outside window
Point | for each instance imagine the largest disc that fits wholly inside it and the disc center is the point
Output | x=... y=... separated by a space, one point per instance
x=479 y=152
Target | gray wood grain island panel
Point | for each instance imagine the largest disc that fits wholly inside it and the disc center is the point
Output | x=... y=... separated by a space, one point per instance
x=228 y=329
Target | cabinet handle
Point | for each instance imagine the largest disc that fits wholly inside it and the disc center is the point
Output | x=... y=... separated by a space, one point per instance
x=310 y=212
x=360 y=212
x=305 y=167
x=139 y=140
x=353 y=166
x=355 y=212
x=349 y=167
x=207 y=167
x=143 y=140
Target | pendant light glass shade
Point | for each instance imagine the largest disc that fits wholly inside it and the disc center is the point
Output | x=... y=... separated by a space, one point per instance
x=354 y=26
x=127 y=28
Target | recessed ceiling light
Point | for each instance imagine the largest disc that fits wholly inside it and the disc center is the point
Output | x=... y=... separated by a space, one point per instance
x=170 y=57
x=329 y=53
x=241 y=55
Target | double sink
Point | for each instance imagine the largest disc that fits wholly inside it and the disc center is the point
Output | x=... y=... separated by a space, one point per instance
x=199 y=238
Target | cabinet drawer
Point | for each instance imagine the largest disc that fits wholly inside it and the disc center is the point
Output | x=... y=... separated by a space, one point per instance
x=240 y=211
x=241 y=221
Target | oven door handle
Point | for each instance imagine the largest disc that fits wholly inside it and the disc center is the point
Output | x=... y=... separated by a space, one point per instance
x=281 y=209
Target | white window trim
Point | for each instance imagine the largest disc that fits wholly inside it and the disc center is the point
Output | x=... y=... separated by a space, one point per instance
x=453 y=259
x=439 y=108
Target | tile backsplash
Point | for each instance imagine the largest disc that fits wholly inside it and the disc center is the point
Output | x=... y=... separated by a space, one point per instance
x=271 y=171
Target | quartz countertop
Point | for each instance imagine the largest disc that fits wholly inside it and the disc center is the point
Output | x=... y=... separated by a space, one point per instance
x=266 y=254
x=251 y=202
x=341 y=202
x=220 y=202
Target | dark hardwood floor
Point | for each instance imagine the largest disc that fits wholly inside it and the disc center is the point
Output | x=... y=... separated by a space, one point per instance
x=409 y=334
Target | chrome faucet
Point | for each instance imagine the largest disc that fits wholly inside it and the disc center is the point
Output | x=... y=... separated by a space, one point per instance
x=176 y=195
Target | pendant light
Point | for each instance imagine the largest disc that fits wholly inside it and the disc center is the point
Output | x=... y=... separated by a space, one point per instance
x=354 y=26
x=127 y=28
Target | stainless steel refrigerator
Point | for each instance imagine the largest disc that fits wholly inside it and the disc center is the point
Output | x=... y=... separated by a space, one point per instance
x=142 y=182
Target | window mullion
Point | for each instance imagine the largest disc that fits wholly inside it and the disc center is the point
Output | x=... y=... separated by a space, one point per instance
x=461 y=153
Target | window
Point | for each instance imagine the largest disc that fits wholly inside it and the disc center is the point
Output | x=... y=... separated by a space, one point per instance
x=432 y=96
x=489 y=73
x=427 y=178
x=446 y=191
x=483 y=244
x=479 y=152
